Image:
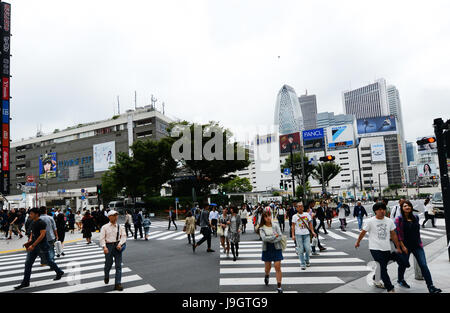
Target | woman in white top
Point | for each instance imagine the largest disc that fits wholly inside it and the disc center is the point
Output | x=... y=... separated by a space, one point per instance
x=78 y=218
x=429 y=213
x=243 y=213
x=342 y=217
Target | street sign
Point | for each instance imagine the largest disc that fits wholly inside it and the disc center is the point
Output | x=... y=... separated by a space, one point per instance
x=287 y=171
x=30 y=179
x=30 y=184
x=177 y=200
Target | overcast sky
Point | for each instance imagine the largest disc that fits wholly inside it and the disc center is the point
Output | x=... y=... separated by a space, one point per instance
x=218 y=60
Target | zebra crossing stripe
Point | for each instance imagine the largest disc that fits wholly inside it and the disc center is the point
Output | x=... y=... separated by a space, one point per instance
x=4 y=258
x=436 y=230
x=170 y=236
x=426 y=237
x=335 y=236
x=296 y=269
x=160 y=235
x=288 y=291
x=426 y=232
x=256 y=255
x=92 y=285
x=286 y=281
x=21 y=259
x=185 y=236
x=66 y=252
x=293 y=261
x=352 y=235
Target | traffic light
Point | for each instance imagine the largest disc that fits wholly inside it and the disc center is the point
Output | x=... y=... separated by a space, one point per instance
x=99 y=190
x=286 y=187
x=425 y=141
x=281 y=185
x=328 y=158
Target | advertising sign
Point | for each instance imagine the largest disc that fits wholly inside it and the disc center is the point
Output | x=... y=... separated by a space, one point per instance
x=5 y=159
x=375 y=125
x=340 y=136
x=378 y=152
x=104 y=156
x=426 y=170
x=287 y=140
x=5 y=112
x=313 y=139
x=427 y=148
x=5 y=135
x=47 y=165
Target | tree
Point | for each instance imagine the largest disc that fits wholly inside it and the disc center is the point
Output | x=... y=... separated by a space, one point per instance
x=238 y=184
x=394 y=187
x=330 y=171
x=299 y=190
x=309 y=168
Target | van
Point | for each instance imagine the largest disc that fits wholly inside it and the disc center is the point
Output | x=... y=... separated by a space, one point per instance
x=438 y=204
x=117 y=206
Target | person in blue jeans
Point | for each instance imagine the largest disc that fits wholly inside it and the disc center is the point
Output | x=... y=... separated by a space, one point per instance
x=37 y=246
x=359 y=211
x=408 y=232
x=301 y=229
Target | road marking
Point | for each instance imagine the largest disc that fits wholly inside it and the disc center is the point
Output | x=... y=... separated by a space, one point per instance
x=170 y=236
x=161 y=235
x=256 y=255
x=21 y=259
x=296 y=269
x=335 y=236
x=137 y=289
x=285 y=281
x=425 y=232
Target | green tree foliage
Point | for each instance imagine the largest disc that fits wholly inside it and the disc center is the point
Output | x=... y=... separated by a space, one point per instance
x=238 y=184
x=298 y=157
x=330 y=171
x=299 y=193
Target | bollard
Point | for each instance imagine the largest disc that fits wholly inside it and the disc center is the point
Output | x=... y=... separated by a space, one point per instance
x=417 y=270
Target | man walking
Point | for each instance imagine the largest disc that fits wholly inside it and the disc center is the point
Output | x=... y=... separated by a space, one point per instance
x=381 y=230
x=281 y=216
x=112 y=240
x=172 y=217
x=320 y=213
x=13 y=221
x=396 y=210
x=128 y=221
x=291 y=212
x=214 y=216
x=51 y=233
x=37 y=245
x=205 y=229
x=359 y=211
x=137 y=221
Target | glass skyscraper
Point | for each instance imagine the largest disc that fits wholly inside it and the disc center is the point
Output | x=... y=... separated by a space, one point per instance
x=288 y=114
x=308 y=104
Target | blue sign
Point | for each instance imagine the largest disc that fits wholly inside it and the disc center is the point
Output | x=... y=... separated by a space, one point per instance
x=313 y=139
x=176 y=199
x=313 y=133
x=287 y=171
x=83 y=197
x=374 y=125
x=5 y=112
x=30 y=184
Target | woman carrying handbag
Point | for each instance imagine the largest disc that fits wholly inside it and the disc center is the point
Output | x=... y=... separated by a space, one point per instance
x=234 y=234
x=222 y=231
x=190 y=227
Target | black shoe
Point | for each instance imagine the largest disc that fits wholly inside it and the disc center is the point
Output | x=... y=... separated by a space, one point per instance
x=433 y=289
x=21 y=286
x=326 y=233
x=234 y=259
x=118 y=287
x=193 y=247
x=57 y=255
x=266 y=280
x=280 y=290
x=58 y=276
x=210 y=250
x=63 y=254
x=106 y=279
x=404 y=284
x=322 y=249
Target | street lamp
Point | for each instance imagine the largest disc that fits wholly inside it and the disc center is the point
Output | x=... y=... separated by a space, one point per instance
x=354 y=185
x=379 y=183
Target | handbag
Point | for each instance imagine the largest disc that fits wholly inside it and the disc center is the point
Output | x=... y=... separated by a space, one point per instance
x=220 y=231
x=117 y=240
x=283 y=242
x=225 y=232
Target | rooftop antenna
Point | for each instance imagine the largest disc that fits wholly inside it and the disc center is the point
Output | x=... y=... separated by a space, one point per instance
x=306 y=92
x=135 y=100
x=153 y=101
x=163 y=107
x=118 y=105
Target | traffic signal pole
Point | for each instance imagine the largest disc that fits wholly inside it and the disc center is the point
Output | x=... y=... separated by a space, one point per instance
x=439 y=127
x=292 y=172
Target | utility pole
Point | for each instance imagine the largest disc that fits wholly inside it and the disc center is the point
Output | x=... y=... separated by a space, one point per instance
x=292 y=170
x=118 y=105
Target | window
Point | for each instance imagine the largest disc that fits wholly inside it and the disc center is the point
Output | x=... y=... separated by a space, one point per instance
x=20 y=175
x=344 y=163
x=148 y=133
x=346 y=152
x=345 y=175
x=367 y=168
x=20 y=166
x=343 y=158
x=145 y=122
x=20 y=157
x=367 y=162
x=365 y=155
x=103 y=131
x=367 y=175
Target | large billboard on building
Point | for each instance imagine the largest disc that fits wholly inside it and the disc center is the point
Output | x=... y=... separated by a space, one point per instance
x=48 y=165
x=104 y=156
x=378 y=152
x=427 y=148
x=426 y=170
x=287 y=140
x=375 y=125
x=340 y=136
x=313 y=139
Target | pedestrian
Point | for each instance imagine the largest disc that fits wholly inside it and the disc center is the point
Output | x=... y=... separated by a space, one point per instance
x=320 y=213
x=146 y=224
x=224 y=222
x=51 y=233
x=281 y=217
x=302 y=230
x=214 y=216
x=37 y=245
x=342 y=215
x=328 y=214
x=205 y=229
x=243 y=213
x=88 y=226
x=128 y=221
x=271 y=237
x=13 y=221
x=315 y=241
x=359 y=211
x=396 y=210
x=21 y=219
x=234 y=233
x=61 y=230
x=257 y=219
x=28 y=223
x=172 y=218
x=429 y=212
x=291 y=212
x=408 y=232
x=71 y=221
x=190 y=227
x=137 y=221
x=78 y=218
x=113 y=239
x=381 y=231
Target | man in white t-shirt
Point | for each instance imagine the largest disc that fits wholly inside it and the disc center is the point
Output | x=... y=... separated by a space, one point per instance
x=213 y=217
x=381 y=230
x=396 y=210
x=301 y=228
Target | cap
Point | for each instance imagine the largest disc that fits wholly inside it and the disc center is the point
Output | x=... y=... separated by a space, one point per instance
x=112 y=212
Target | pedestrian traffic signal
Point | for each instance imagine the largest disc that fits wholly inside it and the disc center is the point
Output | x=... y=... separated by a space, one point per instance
x=281 y=185
x=99 y=190
x=327 y=158
x=425 y=141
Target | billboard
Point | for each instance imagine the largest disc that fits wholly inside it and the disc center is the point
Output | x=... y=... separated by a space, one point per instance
x=373 y=126
x=313 y=139
x=104 y=156
x=340 y=136
x=287 y=140
x=427 y=148
x=47 y=165
x=378 y=152
x=426 y=170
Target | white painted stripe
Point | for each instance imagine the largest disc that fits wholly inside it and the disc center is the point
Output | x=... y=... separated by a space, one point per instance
x=335 y=236
x=438 y=230
x=426 y=237
x=49 y=282
x=137 y=289
x=294 y=261
x=160 y=235
x=74 y=248
x=257 y=291
x=81 y=287
x=185 y=236
x=171 y=235
x=296 y=269
x=21 y=259
x=258 y=255
x=352 y=235
x=426 y=232
x=285 y=281
x=66 y=252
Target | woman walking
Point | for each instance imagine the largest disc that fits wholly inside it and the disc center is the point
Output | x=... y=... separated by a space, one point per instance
x=224 y=222
x=234 y=234
x=429 y=213
x=71 y=221
x=78 y=218
x=146 y=224
x=243 y=213
x=190 y=227
x=328 y=214
x=408 y=232
x=271 y=237
x=61 y=230
x=88 y=226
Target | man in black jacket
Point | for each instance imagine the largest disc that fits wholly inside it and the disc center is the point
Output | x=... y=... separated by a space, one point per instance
x=359 y=211
x=205 y=229
x=320 y=213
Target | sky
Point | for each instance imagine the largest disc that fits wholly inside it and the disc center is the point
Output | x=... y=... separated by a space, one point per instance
x=222 y=60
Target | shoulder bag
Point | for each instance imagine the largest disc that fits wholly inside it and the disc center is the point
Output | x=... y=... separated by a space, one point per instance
x=307 y=227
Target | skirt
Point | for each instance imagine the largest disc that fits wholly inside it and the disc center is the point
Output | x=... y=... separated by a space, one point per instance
x=272 y=254
x=87 y=233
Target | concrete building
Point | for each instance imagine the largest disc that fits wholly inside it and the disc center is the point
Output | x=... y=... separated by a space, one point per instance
x=327 y=119
x=75 y=166
x=288 y=114
x=308 y=104
x=267 y=162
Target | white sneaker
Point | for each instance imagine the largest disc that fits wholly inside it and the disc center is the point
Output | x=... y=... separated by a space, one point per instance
x=378 y=284
x=303 y=267
x=308 y=264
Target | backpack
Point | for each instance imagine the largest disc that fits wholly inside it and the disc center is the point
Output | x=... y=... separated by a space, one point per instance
x=347 y=209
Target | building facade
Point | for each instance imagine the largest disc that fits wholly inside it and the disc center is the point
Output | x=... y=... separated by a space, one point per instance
x=308 y=104
x=288 y=114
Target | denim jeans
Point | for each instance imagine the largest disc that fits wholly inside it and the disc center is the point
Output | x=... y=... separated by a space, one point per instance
x=51 y=253
x=360 y=221
x=419 y=254
x=117 y=255
x=383 y=257
x=303 y=246
x=42 y=250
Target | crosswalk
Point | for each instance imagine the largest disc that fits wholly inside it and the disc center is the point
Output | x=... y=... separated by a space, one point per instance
x=83 y=266
x=246 y=274
x=165 y=234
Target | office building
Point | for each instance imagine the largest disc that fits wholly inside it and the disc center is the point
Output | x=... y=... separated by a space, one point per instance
x=288 y=114
x=327 y=119
x=308 y=105
x=410 y=155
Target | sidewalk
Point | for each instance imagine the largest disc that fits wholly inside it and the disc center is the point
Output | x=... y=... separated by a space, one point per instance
x=438 y=263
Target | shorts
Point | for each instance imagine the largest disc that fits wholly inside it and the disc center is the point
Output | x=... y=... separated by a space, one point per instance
x=14 y=227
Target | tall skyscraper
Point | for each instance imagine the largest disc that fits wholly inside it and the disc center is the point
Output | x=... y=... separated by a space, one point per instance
x=327 y=119
x=410 y=152
x=308 y=105
x=367 y=101
x=288 y=114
